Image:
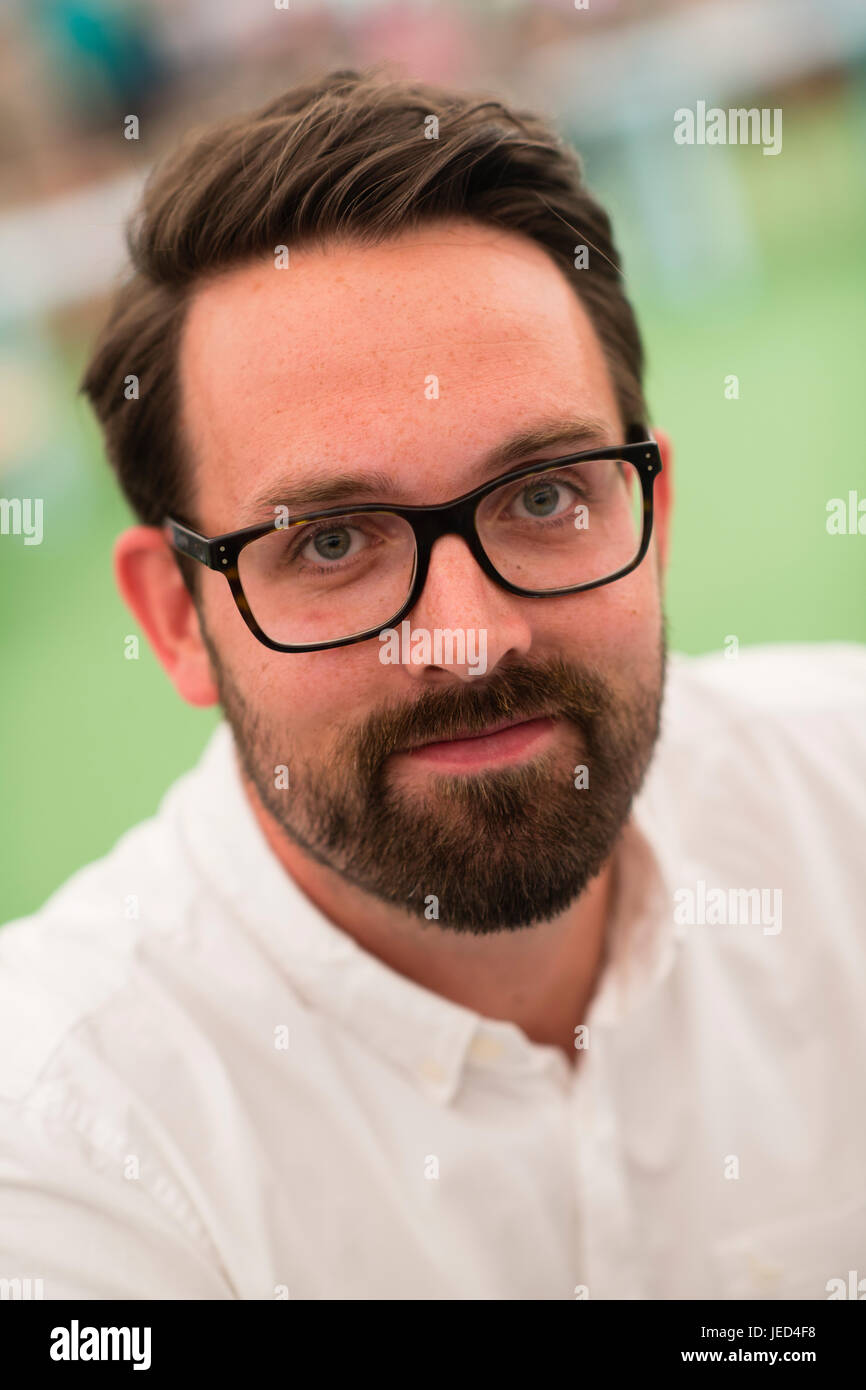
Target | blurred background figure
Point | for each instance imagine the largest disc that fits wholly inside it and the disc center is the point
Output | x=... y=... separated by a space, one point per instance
x=746 y=269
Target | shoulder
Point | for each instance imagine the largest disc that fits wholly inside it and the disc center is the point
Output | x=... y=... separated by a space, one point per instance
x=773 y=737
x=776 y=679
x=83 y=949
x=798 y=695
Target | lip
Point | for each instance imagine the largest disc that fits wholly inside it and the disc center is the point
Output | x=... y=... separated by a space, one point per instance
x=506 y=742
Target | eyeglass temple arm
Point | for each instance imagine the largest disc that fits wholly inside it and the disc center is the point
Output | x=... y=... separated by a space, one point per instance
x=189 y=542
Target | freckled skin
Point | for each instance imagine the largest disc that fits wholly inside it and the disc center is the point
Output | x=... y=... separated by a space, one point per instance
x=323 y=365
x=327 y=362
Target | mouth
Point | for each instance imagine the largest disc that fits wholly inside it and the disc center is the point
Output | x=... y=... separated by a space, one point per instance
x=506 y=742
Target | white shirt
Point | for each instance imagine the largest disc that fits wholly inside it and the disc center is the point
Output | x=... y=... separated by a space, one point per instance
x=208 y=1090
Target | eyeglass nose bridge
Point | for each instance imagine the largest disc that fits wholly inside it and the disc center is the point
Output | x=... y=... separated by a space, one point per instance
x=449 y=519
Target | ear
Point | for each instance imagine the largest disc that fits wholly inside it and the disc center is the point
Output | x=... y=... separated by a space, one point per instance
x=663 y=498
x=152 y=586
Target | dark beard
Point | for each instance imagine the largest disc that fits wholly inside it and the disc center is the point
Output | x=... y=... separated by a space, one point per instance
x=484 y=852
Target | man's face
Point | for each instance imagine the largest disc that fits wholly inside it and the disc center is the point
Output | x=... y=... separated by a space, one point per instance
x=325 y=368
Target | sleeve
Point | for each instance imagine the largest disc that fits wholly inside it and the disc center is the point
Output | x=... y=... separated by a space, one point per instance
x=86 y=1233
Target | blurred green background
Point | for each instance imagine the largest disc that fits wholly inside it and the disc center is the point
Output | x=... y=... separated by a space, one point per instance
x=738 y=263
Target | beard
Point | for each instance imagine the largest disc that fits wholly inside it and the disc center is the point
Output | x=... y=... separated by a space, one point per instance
x=492 y=850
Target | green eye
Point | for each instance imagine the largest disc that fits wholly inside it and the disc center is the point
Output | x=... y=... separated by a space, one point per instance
x=541 y=499
x=333 y=545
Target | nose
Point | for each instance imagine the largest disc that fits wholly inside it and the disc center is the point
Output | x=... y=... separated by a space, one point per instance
x=463 y=624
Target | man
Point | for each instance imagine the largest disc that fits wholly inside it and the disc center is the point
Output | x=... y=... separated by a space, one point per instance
x=445 y=974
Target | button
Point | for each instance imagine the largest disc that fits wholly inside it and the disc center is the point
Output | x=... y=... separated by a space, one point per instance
x=486 y=1049
x=431 y=1071
x=765 y=1274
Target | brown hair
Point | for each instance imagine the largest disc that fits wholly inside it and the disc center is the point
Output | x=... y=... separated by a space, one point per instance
x=343 y=156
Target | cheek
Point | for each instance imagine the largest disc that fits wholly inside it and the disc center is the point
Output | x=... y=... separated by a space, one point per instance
x=302 y=696
x=309 y=698
x=617 y=626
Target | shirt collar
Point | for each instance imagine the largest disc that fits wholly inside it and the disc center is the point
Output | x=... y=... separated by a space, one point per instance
x=431 y=1038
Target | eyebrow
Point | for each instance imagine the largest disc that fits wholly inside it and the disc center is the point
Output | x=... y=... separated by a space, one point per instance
x=332 y=489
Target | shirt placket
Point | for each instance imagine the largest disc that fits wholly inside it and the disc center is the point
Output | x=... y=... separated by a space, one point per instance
x=608 y=1265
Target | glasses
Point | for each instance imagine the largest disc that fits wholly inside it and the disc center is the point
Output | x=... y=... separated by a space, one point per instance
x=332 y=577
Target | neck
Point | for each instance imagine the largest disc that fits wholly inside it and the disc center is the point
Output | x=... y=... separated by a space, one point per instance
x=541 y=978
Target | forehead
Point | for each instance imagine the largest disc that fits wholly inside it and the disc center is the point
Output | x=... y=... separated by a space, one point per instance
x=413 y=357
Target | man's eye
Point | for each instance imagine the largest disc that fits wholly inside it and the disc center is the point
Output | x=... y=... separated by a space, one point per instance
x=332 y=543
x=543 y=499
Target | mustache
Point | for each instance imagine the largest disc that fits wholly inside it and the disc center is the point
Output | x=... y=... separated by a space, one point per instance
x=511 y=693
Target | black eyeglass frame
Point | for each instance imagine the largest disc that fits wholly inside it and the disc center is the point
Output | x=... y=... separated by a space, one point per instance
x=428 y=524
